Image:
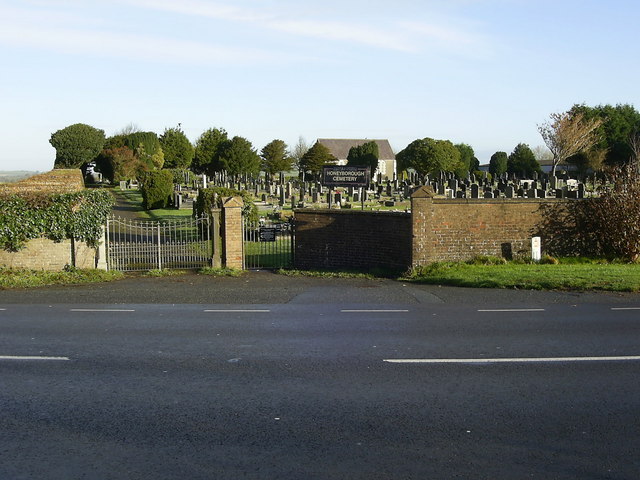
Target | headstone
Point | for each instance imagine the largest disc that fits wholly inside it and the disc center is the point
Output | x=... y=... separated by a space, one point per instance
x=475 y=191
x=509 y=192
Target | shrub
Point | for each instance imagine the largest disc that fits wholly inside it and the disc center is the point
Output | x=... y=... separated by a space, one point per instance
x=156 y=188
x=206 y=198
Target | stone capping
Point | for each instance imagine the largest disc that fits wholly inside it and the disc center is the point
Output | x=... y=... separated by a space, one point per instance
x=348 y=211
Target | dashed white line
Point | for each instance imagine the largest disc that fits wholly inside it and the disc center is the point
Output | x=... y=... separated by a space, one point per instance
x=624 y=308
x=513 y=310
x=101 y=310
x=373 y=311
x=238 y=311
x=31 y=358
x=513 y=360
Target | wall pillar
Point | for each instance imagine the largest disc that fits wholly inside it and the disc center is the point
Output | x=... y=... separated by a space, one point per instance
x=232 y=241
x=422 y=226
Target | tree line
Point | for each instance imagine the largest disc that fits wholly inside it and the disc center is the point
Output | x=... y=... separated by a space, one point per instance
x=590 y=138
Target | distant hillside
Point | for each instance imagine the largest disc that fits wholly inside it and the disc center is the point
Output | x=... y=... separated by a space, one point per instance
x=15 y=175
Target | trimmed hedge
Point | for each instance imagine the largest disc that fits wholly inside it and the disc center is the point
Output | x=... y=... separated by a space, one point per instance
x=157 y=189
x=78 y=215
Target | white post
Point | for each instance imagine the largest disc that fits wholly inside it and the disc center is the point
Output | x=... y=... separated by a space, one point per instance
x=536 y=251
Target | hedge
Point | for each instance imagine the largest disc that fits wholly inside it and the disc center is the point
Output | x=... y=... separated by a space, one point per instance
x=157 y=189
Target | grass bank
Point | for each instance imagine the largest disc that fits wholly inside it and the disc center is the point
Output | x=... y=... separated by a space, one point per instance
x=616 y=277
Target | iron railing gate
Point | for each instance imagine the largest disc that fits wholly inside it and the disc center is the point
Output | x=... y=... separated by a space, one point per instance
x=147 y=245
x=268 y=244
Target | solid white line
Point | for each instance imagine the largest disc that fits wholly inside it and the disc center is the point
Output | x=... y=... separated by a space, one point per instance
x=514 y=310
x=101 y=310
x=625 y=308
x=237 y=311
x=374 y=311
x=512 y=360
x=13 y=357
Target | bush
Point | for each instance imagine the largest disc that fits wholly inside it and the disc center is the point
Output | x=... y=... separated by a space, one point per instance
x=157 y=189
x=604 y=226
x=205 y=201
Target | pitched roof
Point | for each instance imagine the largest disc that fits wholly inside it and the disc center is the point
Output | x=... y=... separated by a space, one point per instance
x=340 y=147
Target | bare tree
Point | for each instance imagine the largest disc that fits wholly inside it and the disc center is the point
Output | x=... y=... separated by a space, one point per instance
x=567 y=134
x=297 y=152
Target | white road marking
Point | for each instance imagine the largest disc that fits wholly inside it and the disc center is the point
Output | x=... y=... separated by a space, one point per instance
x=624 y=308
x=513 y=360
x=15 y=357
x=238 y=311
x=514 y=310
x=373 y=311
x=101 y=310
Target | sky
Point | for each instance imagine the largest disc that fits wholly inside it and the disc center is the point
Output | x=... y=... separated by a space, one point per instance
x=481 y=72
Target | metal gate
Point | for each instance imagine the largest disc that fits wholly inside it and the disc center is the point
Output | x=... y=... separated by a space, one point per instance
x=268 y=244
x=147 y=245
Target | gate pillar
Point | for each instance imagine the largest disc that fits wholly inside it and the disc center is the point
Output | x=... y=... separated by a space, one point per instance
x=232 y=241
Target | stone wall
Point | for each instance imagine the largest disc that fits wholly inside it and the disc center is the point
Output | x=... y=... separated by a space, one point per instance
x=334 y=239
x=45 y=254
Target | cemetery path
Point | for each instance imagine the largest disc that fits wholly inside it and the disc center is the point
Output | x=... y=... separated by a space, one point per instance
x=265 y=287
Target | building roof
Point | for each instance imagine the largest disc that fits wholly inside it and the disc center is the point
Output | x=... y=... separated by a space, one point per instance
x=340 y=147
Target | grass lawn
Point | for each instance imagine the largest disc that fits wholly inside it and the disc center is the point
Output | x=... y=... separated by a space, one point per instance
x=583 y=276
x=132 y=201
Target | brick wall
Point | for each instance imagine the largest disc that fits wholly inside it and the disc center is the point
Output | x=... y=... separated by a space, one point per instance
x=436 y=230
x=45 y=254
x=334 y=239
x=459 y=229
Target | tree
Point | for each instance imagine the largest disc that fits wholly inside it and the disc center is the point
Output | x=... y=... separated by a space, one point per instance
x=238 y=157
x=523 y=162
x=207 y=151
x=618 y=123
x=317 y=157
x=498 y=164
x=429 y=156
x=567 y=134
x=120 y=163
x=365 y=155
x=468 y=160
x=146 y=146
x=275 y=157
x=178 y=151
x=76 y=145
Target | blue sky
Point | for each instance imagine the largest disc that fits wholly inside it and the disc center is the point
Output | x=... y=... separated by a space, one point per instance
x=481 y=72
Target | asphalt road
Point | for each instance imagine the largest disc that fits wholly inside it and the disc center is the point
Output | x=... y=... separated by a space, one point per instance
x=268 y=377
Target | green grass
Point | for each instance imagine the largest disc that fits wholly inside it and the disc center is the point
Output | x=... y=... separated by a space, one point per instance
x=323 y=273
x=563 y=276
x=132 y=199
x=221 y=272
x=21 y=278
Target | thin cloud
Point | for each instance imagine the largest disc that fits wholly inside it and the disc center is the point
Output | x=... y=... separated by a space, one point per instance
x=404 y=36
x=56 y=32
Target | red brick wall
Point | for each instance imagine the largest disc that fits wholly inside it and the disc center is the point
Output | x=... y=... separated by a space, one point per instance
x=459 y=229
x=352 y=239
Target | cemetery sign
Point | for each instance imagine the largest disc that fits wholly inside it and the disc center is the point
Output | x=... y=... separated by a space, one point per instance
x=345 y=176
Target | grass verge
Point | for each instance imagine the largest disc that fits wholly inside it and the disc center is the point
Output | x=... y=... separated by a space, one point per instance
x=614 y=277
x=19 y=278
